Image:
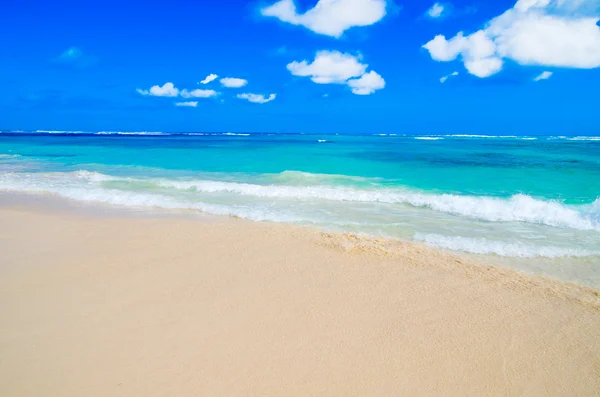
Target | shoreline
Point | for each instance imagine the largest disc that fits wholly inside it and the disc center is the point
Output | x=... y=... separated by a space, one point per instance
x=377 y=245
x=153 y=304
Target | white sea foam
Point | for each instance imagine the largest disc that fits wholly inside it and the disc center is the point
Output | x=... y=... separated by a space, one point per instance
x=428 y=138
x=60 y=132
x=501 y=248
x=49 y=131
x=304 y=204
x=308 y=178
x=585 y=138
x=151 y=133
x=92 y=176
x=518 y=208
x=215 y=134
x=322 y=141
x=64 y=189
x=481 y=136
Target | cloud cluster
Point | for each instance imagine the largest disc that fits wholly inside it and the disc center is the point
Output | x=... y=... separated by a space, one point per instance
x=256 y=98
x=334 y=67
x=233 y=82
x=168 y=90
x=329 y=17
x=556 y=33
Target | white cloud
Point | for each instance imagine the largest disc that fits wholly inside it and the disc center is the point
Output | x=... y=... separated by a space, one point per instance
x=233 y=82
x=209 y=78
x=329 y=67
x=436 y=10
x=484 y=67
x=443 y=50
x=168 y=90
x=329 y=17
x=367 y=84
x=543 y=76
x=558 y=33
x=443 y=79
x=526 y=5
x=334 y=67
x=257 y=98
x=477 y=50
x=198 y=93
x=539 y=39
x=190 y=104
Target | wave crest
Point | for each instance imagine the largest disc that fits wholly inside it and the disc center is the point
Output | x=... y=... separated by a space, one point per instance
x=518 y=208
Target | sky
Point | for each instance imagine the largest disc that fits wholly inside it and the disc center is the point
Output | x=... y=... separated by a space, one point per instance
x=313 y=66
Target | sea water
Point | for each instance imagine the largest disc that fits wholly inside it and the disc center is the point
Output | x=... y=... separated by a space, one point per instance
x=530 y=202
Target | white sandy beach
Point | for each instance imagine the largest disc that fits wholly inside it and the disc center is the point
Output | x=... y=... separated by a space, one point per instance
x=174 y=306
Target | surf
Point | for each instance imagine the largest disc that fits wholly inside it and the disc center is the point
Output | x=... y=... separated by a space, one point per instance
x=517 y=208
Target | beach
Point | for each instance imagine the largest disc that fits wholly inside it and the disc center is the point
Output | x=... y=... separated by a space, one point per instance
x=531 y=205
x=300 y=198
x=108 y=303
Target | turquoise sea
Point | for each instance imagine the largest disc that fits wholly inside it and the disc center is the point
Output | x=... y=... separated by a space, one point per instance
x=529 y=202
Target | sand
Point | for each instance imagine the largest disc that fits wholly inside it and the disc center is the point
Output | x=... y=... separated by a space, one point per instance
x=177 y=306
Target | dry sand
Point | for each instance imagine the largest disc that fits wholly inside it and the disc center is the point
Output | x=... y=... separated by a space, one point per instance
x=158 y=306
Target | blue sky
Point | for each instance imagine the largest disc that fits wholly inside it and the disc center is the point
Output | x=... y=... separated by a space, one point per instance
x=339 y=66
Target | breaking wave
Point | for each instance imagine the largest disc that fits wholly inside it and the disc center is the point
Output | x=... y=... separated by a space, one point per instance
x=340 y=200
x=518 y=208
x=142 y=199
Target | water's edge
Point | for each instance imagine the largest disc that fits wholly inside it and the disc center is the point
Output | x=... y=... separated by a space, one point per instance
x=358 y=243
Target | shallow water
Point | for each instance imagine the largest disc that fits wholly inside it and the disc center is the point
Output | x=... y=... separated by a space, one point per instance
x=532 y=202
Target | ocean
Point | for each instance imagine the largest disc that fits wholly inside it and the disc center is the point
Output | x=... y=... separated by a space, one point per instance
x=532 y=203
